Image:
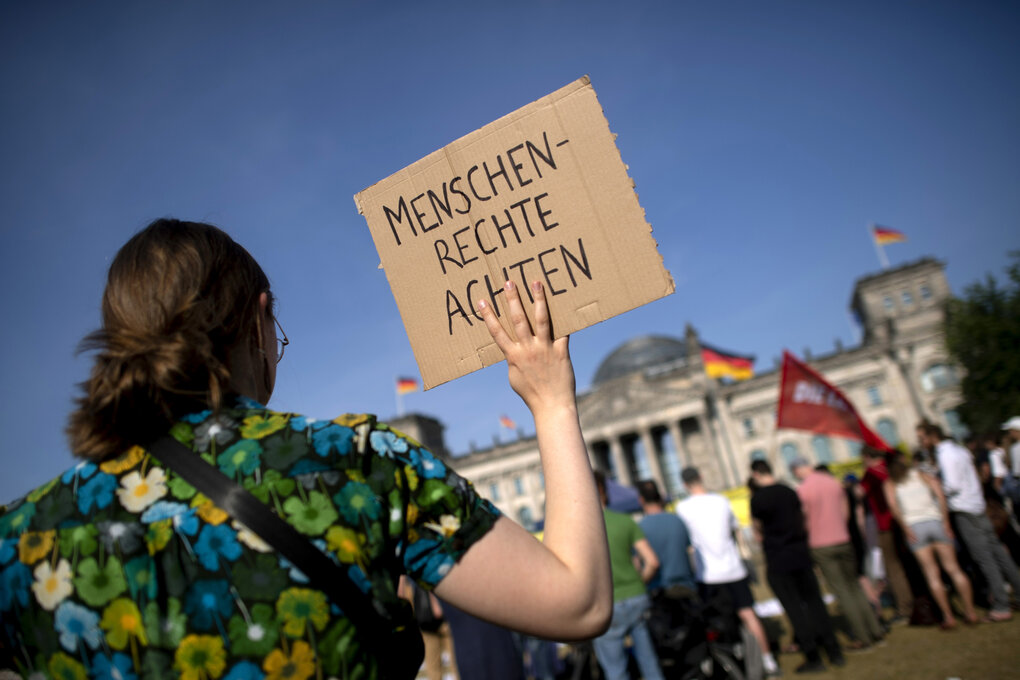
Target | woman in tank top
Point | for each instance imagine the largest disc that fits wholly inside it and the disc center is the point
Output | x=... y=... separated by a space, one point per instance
x=916 y=501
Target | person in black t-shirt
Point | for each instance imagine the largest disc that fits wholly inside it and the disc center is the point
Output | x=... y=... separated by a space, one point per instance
x=779 y=525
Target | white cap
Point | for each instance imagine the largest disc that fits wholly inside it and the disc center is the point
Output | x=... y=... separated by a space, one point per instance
x=1012 y=424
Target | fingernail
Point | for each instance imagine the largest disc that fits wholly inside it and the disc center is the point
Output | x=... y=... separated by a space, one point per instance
x=536 y=286
x=509 y=285
x=482 y=304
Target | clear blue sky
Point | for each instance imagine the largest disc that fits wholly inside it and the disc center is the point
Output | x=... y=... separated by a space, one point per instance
x=763 y=138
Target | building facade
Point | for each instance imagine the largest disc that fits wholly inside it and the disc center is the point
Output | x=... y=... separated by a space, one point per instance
x=651 y=410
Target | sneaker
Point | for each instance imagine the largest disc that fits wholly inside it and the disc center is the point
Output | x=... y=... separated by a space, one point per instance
x=811 y=667
x=898 y=621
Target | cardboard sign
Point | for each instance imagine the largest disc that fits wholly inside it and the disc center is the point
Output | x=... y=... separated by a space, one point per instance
x=541 y=193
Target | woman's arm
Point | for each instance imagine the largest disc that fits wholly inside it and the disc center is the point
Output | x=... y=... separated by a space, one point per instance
x=894 y=508
x=940 y=499
x=560 y=588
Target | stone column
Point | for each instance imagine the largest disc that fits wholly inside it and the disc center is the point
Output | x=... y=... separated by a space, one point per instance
x=648 y=441
x=678 y=443
x=619 y=460
x=712 y=441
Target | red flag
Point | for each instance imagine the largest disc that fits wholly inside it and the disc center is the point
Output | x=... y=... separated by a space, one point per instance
x=808 y=402
x=507 y=423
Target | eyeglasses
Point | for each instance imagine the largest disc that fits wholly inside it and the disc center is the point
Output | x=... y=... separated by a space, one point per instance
x=281 y=340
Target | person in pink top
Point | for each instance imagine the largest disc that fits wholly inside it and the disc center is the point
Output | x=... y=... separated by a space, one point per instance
x=826 y=511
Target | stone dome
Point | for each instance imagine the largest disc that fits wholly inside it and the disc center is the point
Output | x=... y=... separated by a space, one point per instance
x=640 y=354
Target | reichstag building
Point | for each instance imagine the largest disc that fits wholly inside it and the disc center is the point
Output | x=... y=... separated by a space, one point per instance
x=651 y=410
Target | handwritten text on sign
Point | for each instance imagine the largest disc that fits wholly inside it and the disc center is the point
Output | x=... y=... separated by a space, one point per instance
x=516 y=168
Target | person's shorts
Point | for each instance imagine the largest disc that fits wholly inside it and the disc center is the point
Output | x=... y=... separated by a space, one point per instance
x=739 y=592
x=927 y=532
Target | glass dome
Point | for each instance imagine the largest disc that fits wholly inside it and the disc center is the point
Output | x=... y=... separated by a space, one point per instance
x=640 y=354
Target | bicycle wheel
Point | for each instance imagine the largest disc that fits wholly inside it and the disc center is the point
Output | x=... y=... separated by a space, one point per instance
x=716 y=665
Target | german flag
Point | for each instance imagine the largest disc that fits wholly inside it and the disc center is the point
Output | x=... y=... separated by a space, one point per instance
x=405 y=385
x=721 y=364
x=884 y=235
x=507 y=423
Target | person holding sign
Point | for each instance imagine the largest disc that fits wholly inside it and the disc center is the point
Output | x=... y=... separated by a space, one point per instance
x=121 y=567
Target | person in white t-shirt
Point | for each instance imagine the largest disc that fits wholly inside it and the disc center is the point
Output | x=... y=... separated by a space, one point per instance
x=717 y=562
x=1012 y=428
x=966 y=502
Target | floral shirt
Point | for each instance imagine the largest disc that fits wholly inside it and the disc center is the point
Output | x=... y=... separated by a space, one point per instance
x=123 y=571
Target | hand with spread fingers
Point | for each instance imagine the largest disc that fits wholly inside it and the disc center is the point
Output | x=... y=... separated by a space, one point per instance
x=559 y=588
x=539 y=367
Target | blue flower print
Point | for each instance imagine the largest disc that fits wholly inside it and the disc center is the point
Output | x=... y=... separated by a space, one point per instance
x=214 y=542
x=82 y=470
x=76 y=624
x=299 y=423
x=427 y=465
x=141 y=577
x=356 y=500
x=243 y=455
x=295 y=574
x=207 y=602
x=97 y=492
x=424 y=558
x=161 y=510
x=187 y=523
x=249 y=403
x=15 y=581
x=356 y=575
x=245 y=670
x=333 y=438
x=16 y=521
x=307 y=466
x=196 y=418
x=8 y=548
x=117 y=668
x=387 y=443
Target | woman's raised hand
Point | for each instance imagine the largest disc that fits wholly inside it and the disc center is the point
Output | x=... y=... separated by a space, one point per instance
x=539 y=367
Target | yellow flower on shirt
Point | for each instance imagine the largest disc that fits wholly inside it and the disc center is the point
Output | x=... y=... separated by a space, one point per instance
x=52 y=586
x=126 y=461
x=299 y=665
x=200 y=657
x=34 y=545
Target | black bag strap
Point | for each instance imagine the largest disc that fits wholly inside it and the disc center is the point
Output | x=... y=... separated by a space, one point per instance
x=370 y=620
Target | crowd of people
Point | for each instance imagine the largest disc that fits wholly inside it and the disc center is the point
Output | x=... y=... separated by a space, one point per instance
x=941 y=520
x=122 y=568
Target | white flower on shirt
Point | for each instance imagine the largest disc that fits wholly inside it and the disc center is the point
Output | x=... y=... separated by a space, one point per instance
x=51 y=586
x=447 y=526
x=138 y=493
x=250 y=538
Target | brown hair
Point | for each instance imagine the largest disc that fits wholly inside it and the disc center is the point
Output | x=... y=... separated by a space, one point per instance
x=898 y=468
x=179 y=297
x=931 y=429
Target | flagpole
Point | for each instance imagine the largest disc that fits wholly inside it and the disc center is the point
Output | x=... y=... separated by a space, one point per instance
x=882 y=259
x=399 y=397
